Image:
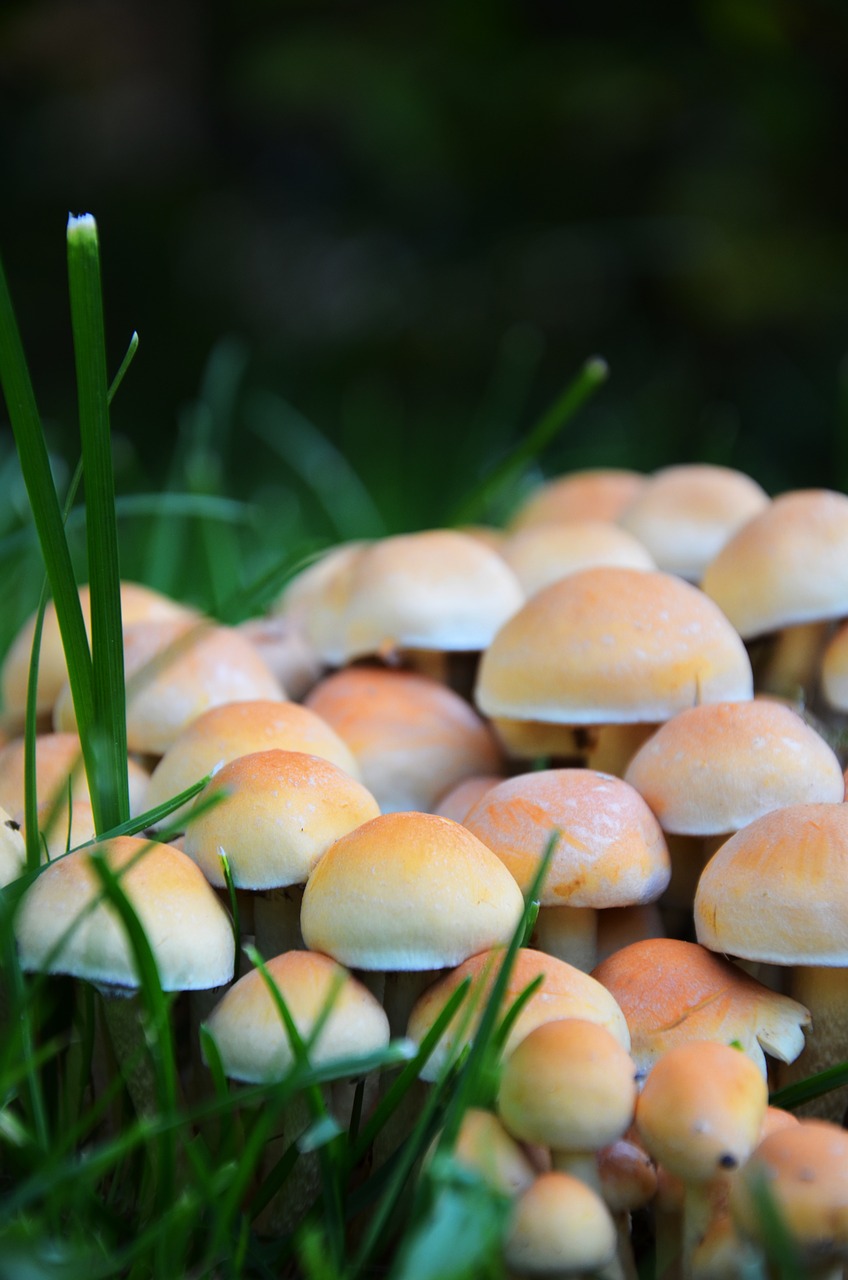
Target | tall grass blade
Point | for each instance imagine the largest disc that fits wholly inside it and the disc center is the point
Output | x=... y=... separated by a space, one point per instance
x=109 y=787
x=47 y=514
x=593 y=374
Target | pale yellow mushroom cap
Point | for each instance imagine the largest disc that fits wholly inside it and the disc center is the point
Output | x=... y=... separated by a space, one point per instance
x=685 y=514
x=612 y=645
x=248 y=1030
x=58 y=763
x=277 y=813
x=569 y=1085
x=237 y=729
x=560 y=1227
x=64 y=925
x=599 y=493
x=12 y=849
x=409 y=891
x=787 y=565
x=715 y=768
x=541 y=555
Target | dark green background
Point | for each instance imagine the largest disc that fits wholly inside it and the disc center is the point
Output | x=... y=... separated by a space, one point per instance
x=417 y=220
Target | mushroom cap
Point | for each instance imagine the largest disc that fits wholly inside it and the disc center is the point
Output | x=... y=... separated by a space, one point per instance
x=64 y=926
x=672 y=992
x=12 y=849
x=409 y=891
x=437 y=590
x=715 y=768
x=610 y=853
x=251 y=1037
x=612 y=645
x=569 y=1085
x=61 y=830
x=58 y=759
x=599 y=493
x=566 y=992
x=484 y=1145
x=137 y=603
x=805 y=1171
x=278 y=812
x=777 y=891
x=627 y=1174
x=176 y=669
x=237 y=729
x=685 y=514
x=787 y=565
x=458 y=802
x=412 y=737
x=545 y=553
x=560 y=1227
x=701 y=1108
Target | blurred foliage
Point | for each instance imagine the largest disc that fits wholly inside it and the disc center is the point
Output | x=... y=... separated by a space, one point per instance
x=418 y=220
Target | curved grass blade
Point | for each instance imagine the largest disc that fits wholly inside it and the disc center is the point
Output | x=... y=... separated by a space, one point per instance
x=592 y=375
x=792 y=1095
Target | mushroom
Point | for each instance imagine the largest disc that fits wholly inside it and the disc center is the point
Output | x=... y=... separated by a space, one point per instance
x=277 y=813
x=775 y=893
x=610 y=647
x=699 y=1115
x=560 y=1227
x=545 y=553
x=671 y=992
x=408 y=893
x=596 y=493
x=685 y=514
x=412 y=737
x=610 y=851
x=237 y=729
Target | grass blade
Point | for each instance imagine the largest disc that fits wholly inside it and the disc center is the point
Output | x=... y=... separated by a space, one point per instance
x=593 y=374
x=109 y=787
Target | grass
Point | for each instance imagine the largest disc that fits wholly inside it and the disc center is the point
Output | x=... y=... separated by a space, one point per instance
x=94 y=1186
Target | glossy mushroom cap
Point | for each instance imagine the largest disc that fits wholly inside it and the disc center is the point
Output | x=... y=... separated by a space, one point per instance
x=672 y=992
x=615 y=646
x=700 y=1111
x=786 y=566
x=409 y=891
x=277 y=813
x=64 y=926
x=412 y=737
x=237 y=729
x=685 y=514
x=713 y=769
x=249 y=1033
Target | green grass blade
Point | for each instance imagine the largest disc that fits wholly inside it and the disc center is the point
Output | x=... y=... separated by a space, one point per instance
x=122 y=368
x=593 y=374
x=47 y=514
x=109 y=787
x=31 y=833
x=792 y=1095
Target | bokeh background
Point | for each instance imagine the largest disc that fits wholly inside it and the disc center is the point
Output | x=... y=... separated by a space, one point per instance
x=366 y=244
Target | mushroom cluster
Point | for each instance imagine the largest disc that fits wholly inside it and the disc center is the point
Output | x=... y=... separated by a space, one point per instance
x=645 y=672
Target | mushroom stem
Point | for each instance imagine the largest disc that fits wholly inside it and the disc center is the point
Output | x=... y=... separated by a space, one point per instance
x=580 y=1164
x=276 y=914
x=790 y=661
x=824 y=991
x=569 y=934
